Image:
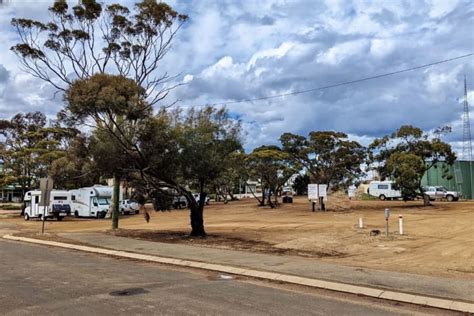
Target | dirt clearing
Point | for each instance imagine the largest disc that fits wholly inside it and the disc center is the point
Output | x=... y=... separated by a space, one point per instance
x=438 y=240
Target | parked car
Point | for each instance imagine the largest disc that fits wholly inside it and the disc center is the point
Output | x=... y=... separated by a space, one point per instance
x=129 y=207
x=180 y=202
x=197 y=197
x=441 y=193
x=287 y=195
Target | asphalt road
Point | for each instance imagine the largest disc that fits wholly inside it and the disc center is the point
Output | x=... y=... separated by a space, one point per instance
x=38 y=280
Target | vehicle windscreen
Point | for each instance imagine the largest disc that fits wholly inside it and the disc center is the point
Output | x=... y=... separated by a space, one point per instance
x=103 y=201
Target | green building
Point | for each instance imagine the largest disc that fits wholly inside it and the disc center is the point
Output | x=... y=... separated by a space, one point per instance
x=460 y=174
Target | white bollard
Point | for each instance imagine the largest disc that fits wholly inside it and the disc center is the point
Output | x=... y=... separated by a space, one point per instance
x=400 y=224
x=361 y=223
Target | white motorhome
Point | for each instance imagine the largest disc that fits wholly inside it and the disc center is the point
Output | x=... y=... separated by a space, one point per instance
x=59 y=205
x=93 y=201
x=383 y=190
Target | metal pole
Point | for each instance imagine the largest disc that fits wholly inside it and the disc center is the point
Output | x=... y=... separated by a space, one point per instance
x=400 y=224
x=45 y=208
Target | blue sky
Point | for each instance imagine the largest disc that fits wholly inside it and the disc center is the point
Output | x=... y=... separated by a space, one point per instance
x=234 y=50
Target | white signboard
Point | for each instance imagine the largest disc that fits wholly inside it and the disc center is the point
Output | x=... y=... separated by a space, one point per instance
x=322 y=190
x=312 y=191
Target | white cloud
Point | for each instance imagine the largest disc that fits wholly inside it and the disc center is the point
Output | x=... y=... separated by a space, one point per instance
x=440 y=8
x=338 y=53
x=234 y=50
x=274 y=53
x=381 y=47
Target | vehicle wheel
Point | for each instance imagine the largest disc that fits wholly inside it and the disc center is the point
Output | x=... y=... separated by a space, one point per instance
x=122 y=211
x=450 y=198
x=76 y=214
x=60 y=218
x=27 y=217
x=382 y=197
x=137 y=212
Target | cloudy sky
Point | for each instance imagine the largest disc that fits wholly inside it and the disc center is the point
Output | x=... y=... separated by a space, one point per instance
x=242 y=49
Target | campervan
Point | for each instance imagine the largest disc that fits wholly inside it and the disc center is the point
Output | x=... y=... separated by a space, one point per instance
x=59 y=205
x=383 y=190
x=92 y=201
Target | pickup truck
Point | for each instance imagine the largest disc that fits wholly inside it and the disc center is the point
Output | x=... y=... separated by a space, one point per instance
x=439 y=192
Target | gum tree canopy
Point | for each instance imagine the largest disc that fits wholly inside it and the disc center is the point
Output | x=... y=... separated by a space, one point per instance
x=407 y=154
x=329 y=157
x=88 y=38
x=28 y=145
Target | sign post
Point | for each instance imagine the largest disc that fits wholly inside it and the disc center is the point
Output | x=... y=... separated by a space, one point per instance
x=313 y=194
x=322 y=194
x=387 y=215
x=46 y=185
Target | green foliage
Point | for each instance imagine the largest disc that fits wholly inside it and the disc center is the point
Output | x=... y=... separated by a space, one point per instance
x=407 y=154
x=76 y=168
x=329 y=157
x=118 y=108
x=29 y=147
x=300 y=185
x=234 y=172
x=207 y=138
x=272 y=167
x=105 y=98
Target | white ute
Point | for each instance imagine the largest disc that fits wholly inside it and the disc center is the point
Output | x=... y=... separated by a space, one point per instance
x=59 y=205
x=92 y=201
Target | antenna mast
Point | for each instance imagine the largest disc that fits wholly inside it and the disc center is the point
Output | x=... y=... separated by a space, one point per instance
x=466 y=124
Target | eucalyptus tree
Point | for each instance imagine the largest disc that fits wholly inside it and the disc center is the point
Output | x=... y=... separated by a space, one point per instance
x=406 y=155
x=28 y=146
x=116 y=108
x=89 y=37
x=273 y=168
x=186 y=150
x=329 y=157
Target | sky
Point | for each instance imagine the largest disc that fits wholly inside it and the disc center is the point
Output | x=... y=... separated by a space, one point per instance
x=232 y=50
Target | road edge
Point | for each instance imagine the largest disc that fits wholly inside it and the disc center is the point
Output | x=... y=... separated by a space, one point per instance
x=453 y=305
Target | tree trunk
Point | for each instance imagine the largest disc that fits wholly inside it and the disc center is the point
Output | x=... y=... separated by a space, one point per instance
x=197 y=210
x=270 y=199
x=426 y=197
x=197 y=221
x=262 y=202
x=426 y=200
x=115 y=201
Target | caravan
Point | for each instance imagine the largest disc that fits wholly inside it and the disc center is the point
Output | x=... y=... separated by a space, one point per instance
x=383 y=190
x=92 y=201
x=59 y=205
